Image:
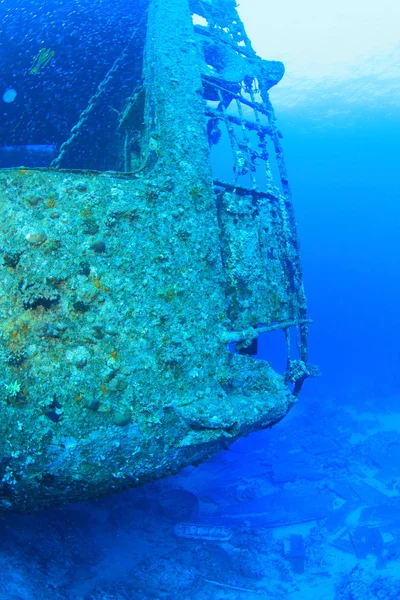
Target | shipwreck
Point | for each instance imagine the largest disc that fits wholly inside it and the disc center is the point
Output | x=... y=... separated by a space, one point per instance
x=143 y=260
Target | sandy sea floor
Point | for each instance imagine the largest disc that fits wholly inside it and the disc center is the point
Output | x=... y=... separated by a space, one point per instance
x=307 y=510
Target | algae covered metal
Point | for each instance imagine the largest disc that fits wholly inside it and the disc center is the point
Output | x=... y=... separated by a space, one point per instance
x=125 y=285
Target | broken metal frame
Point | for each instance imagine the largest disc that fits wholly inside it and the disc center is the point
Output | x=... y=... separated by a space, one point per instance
x=223 y=27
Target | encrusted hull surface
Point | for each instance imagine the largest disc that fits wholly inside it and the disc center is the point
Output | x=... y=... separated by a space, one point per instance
x=115 y=364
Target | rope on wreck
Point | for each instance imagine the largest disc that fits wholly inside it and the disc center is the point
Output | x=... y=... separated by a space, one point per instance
x=75 y=131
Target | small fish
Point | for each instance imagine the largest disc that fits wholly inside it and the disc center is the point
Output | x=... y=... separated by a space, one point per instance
x=44 y=57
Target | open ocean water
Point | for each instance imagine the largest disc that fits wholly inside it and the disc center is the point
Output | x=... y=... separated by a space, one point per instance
x=310 y=509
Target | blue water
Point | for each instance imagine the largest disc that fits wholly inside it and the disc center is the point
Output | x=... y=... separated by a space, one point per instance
x=340 y=443
x=346 y=198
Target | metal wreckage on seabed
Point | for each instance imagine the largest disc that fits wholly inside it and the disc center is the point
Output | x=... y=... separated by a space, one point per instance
x=124 y=289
